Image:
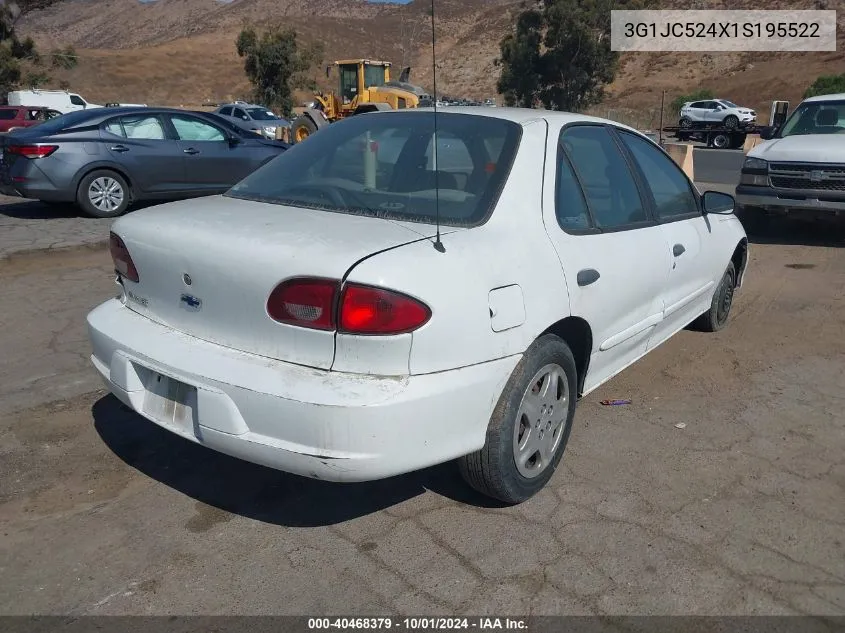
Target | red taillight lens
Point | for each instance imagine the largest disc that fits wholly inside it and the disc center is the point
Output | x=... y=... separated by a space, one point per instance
x=123 y=263
x=31 y=151
x=304 y=302
x=368 y=310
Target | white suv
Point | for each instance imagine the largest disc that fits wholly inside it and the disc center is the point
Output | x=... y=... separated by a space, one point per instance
x=715 y=111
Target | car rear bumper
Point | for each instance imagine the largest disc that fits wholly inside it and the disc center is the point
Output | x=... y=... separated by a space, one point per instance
x=24 y=179
x=793 y=202
x=315 y=423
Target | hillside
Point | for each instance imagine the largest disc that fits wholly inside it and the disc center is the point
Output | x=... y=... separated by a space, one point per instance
x=182 y=51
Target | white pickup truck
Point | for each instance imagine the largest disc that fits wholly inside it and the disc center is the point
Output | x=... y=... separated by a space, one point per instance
x=799 y=169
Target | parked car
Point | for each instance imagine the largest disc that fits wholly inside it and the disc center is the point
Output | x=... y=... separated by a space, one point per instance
x=106 y=159
x=60 y=100
x=318 y=318
x=716 y=111
x=253 y=118
x=799 y=169
x=16 y=117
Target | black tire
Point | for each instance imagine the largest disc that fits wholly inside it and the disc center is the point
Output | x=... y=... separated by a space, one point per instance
x=731 y=122
x=754 y=220
x=720 y=140
x=685 y=123
x=720 y=306
x=302 y=128
x=493 y=470
x=110 y=207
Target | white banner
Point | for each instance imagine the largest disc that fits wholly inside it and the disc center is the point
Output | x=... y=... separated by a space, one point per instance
x=723 y=31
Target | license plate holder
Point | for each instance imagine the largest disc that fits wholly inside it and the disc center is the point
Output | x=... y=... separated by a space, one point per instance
x=171 y=402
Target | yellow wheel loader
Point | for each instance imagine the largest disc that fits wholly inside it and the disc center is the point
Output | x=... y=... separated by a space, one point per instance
x=364 y=86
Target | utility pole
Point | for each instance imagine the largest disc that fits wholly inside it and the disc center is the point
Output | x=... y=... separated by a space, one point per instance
x=662 y=108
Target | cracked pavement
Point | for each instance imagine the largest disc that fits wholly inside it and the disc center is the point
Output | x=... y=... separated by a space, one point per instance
x=741 y=512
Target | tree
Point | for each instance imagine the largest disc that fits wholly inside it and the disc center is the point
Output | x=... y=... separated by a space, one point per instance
x=826 y=85
x=277 y=65
x=699 y=95
x=64 y=58
x=13 y=50
x=559 y=53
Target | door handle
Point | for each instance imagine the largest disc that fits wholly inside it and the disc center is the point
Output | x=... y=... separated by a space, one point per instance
x=678 y=250
x=587 y=276
x=191 y=150
x=119 y=148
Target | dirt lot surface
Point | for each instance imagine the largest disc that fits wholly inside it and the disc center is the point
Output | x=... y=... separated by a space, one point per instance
x=739 y=512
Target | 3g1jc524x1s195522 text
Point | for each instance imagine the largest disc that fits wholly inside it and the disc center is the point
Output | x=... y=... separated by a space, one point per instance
x=735 y=30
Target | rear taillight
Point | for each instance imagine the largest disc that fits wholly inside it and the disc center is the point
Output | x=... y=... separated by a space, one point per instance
x=31 y=151
x=123 y=263
x=304 y=302
x=368 y=310
x=313 y=303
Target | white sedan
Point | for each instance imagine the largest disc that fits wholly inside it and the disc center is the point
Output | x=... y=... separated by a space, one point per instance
x=315 y=320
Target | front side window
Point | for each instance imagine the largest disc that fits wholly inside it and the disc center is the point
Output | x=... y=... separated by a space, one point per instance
x=816 y=117
x=137 y=127
x=77 y=100
x=670 y=189
x=384 y=164
x=608 y=184
x=227 y=111
x=190 y=129
x=240 y=114
x=373 y=76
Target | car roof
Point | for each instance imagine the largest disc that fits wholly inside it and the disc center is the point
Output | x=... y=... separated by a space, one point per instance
x=522 y=116
x=834 y=97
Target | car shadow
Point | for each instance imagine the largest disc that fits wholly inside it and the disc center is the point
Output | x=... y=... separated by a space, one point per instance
x=37 y=210
x=785 y=231
x=256 y=492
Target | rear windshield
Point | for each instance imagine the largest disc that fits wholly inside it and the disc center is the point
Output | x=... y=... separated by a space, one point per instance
x=385 y=164
x=816 y=117
x=60 y=122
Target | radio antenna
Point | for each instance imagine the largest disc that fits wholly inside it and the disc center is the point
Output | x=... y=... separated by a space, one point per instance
x=438 y=245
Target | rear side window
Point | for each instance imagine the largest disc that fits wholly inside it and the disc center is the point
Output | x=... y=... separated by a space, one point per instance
x=227 y=111
x=570 y=206
x=8 y=115
x=138 y=127
x=669 y=187
x=385 y=164
x=608 y=184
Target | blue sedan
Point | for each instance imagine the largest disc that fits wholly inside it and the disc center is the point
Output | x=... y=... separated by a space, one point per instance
x=106 y=159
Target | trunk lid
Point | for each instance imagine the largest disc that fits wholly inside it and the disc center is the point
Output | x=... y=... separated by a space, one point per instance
x=207 y=266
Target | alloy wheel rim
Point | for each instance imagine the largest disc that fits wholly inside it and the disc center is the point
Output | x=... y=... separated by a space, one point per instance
x=540 y=421
x=106 y=194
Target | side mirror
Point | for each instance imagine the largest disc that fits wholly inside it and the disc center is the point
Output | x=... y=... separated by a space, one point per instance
x=234 y=140
x=768 y=132
x=717 y=202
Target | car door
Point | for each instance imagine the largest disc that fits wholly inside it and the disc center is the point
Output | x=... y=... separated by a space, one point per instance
x=713 y=113
x=212 y=163
x=676 y=207
x=153 y=160
x=613 y=254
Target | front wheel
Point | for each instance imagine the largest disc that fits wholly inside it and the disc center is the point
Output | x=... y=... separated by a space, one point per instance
x=731 y=122
x=720 y=306
x=103 y=194
x=685 y=123
x=302 y=128
x=529 y=428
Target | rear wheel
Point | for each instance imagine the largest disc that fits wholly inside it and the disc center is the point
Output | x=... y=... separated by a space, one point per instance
x=529 y=428
x=720 y=307
x=731 y=122
x=103 y=194
x=302 y=128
